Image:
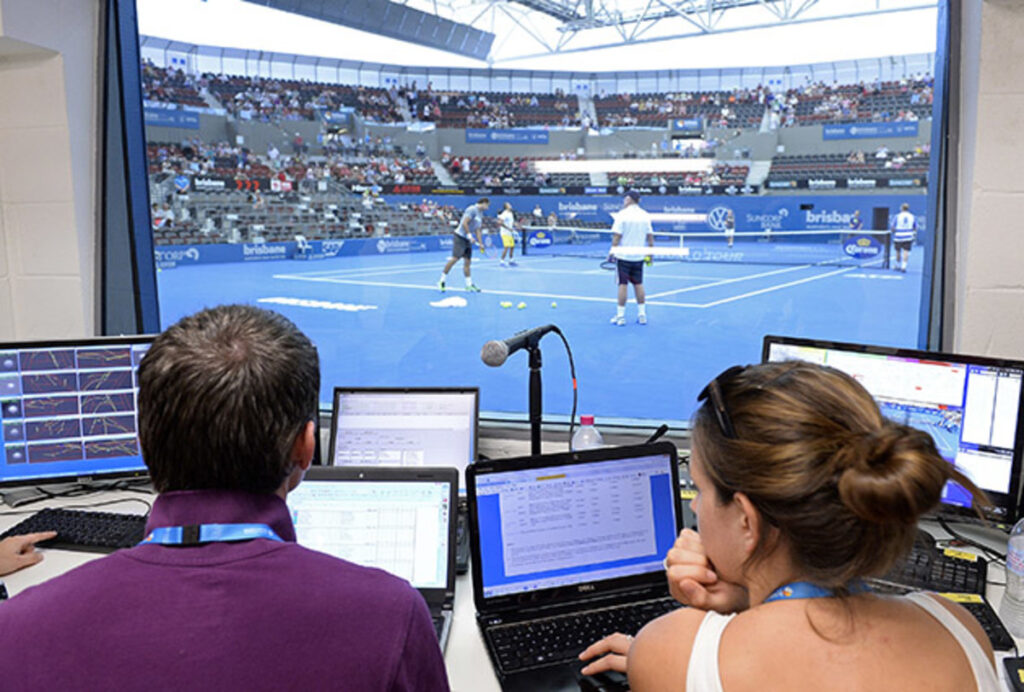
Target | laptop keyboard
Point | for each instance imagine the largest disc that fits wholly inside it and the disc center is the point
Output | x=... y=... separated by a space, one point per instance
x=546 y=641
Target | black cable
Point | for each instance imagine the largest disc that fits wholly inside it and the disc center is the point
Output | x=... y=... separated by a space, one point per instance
x=575 y=389
x=991 y=552
x=149 y=506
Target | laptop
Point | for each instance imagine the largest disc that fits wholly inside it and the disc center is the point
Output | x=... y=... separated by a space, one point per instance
x=568 y=548
x=400 y=520
x=409 y=426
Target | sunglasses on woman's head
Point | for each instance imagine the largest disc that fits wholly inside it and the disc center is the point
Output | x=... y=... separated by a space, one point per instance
x=713 y=392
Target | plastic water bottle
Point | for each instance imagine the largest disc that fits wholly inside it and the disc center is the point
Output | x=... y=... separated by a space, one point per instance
x=587 y=437
x=1011 y=609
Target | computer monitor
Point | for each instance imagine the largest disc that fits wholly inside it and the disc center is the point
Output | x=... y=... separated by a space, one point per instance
x=68 y=410
x=421 y=426
x=970 y=405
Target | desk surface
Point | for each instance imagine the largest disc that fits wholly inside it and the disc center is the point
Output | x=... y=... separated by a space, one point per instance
x=469 y=669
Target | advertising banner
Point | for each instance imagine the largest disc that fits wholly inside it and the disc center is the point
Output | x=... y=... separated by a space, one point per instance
x=689 y=125
x=860 y=183
x=494 y=136
x=161 y=117
x=869 y=130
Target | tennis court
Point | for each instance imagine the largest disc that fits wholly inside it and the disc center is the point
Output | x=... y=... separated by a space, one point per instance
x=372 y=320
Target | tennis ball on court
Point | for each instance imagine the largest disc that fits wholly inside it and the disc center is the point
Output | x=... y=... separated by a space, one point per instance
x=521 y=306
x=554 y=304
x=505 y=303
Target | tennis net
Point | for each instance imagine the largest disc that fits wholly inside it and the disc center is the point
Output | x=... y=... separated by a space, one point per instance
x=835 y=247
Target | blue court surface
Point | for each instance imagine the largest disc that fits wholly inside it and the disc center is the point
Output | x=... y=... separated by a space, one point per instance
x=372 y=320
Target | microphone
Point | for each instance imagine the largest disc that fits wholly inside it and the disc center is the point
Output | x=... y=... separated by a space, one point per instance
x=495 y=353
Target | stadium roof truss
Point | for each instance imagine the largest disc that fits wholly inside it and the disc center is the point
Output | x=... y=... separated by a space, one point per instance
x=561 y=26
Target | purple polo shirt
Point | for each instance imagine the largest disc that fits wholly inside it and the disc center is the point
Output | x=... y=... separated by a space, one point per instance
x=258 y=615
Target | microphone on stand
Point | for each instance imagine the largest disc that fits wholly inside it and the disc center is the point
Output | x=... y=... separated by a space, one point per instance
x=495 y=353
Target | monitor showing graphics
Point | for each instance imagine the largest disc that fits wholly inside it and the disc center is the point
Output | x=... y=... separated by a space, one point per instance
x=404 y=427
x=971 y=407
x=68 y=409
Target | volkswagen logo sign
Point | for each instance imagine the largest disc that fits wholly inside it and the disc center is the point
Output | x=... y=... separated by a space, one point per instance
x=717 y=216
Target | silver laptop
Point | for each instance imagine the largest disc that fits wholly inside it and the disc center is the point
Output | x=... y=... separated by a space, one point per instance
x=401 y=520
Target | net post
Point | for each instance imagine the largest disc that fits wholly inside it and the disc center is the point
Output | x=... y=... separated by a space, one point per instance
x=888 y=249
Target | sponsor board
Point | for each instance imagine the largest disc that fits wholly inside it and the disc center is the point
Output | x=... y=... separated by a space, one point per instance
x=687 y=124
x=539 y=238
x=496 y=136
x=869 y=130
x=862 y=247
x=161 y=117
x=822 y=184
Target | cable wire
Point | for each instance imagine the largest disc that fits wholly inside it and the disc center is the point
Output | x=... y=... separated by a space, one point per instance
x=575 y=388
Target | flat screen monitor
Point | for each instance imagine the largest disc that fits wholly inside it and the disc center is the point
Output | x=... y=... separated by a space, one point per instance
x=68 y=409
x=405 y=427
x=970 y=405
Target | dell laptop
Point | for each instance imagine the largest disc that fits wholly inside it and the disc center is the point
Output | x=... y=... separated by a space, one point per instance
x=568 y=548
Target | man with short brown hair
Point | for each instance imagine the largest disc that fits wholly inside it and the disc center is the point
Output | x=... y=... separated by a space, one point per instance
x=219 y=595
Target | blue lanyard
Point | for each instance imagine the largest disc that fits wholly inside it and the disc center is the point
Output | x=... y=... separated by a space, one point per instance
x=805 y=589
x=209 y=533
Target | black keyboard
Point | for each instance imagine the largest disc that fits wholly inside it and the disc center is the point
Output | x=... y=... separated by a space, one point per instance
x=546 y=641
x=92 y=532
x=929 y=569
x=975 y=604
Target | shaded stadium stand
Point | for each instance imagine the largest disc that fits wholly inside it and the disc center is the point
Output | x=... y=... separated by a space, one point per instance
x=229 y=216
x=720 y=175
x=495 y=109
x=267 y=100
x=496 y=171
x=899 y=165
x=740 y=108
x=168 y=85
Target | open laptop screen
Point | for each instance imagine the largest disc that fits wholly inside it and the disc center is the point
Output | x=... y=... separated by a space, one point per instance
x=543 y=528
x=970 y=406
x=405 y=427
x=401 y=527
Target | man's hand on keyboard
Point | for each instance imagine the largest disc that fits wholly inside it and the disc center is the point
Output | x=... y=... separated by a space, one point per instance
x=613 y=650
x=18 y=552
x=692 y=580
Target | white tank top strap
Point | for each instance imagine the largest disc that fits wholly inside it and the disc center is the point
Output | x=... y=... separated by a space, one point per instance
x=984 y=674
x=702 y=670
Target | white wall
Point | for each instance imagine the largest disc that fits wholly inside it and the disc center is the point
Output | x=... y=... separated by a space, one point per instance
x=990 y=257
x=49 y=90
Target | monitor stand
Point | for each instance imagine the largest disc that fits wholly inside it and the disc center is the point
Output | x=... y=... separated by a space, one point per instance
x=15 y=497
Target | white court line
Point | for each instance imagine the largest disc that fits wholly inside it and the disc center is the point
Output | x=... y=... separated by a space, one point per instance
x=433 y=287
x=733 y=280
x=776 y=288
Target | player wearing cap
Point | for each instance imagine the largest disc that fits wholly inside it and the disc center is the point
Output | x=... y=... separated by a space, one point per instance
x=507 y=220
x=631 y=232
x=904 y=230
x=462 y=242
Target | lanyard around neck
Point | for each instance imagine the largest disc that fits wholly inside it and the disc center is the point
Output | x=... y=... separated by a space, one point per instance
x=805 y=589
x=196 y=534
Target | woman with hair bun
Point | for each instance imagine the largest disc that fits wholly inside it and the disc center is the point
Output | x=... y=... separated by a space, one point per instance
x=804 y=489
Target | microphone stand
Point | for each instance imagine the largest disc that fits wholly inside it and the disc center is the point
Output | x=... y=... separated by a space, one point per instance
x=536 y=401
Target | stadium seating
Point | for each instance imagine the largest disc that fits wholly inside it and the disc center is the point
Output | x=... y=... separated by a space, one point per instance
x=719 y=175
x=495 y=109
x=496 y=171
x=168 y=85
x=271 y=100
x=902 y=165
x=230 y=216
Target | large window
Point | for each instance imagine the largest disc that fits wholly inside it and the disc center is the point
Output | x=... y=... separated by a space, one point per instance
x=794 y=199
